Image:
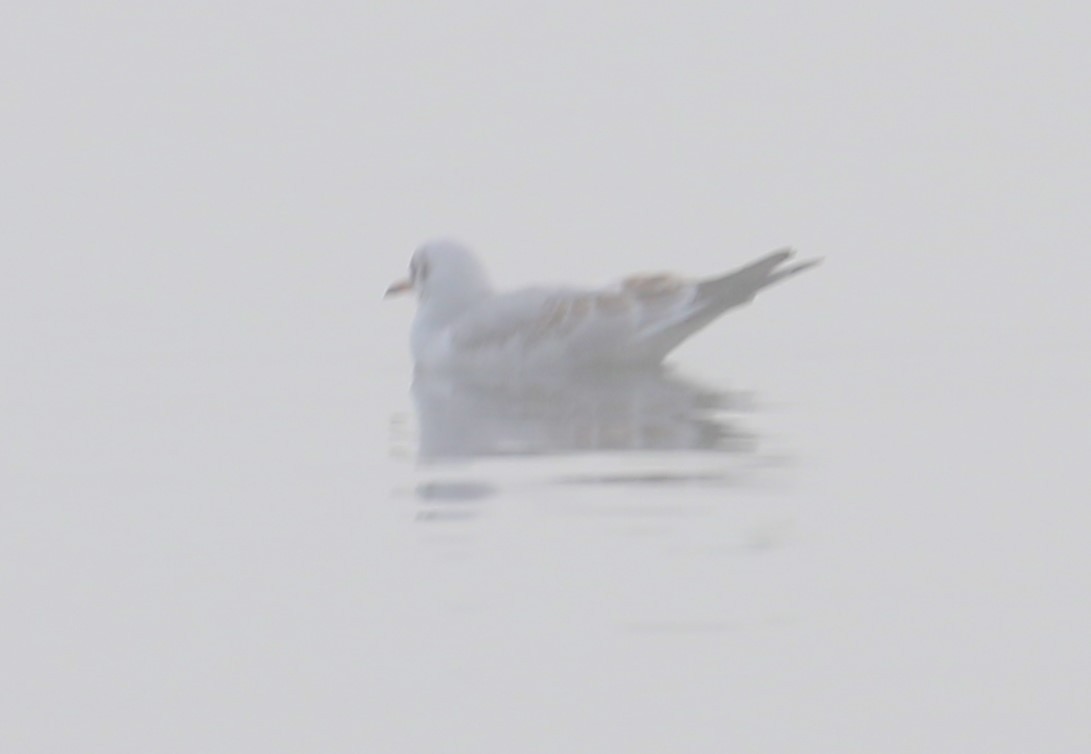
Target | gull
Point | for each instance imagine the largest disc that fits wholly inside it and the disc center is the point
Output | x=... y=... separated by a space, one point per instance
x=463 y=323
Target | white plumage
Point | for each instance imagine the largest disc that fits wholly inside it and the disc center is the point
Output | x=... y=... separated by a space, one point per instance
x=462 y=322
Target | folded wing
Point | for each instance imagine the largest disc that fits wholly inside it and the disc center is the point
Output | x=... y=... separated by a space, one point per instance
x=638 y=321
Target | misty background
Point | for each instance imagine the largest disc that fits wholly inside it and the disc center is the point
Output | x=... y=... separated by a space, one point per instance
x=215 y=532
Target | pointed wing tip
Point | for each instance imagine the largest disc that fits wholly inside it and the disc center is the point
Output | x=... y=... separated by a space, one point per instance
x=795 y=269
x=788 y=252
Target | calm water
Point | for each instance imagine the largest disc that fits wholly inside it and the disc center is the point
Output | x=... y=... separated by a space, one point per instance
x=835 y=553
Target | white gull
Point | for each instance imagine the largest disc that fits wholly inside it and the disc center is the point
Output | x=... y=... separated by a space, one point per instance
x=463 y=323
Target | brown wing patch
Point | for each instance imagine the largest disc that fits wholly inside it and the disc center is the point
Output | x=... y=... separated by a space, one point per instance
x=579 y=308
x=556 y=318
x=652 y=287
x=613 y=303
x=559 y=317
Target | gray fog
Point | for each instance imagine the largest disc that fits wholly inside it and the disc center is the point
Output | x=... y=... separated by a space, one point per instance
x=851 y=516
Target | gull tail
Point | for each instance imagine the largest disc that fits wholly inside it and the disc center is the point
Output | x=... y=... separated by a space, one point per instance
x=718 y=295
x=739 y=287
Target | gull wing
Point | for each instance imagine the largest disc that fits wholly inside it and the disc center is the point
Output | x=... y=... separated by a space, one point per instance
x=713 y=297
x=542 y=318
x=639 y=320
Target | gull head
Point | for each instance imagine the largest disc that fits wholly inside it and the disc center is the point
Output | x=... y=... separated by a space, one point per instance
x=445 y=275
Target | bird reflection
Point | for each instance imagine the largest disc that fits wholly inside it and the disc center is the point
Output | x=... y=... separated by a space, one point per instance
x=644 y=410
